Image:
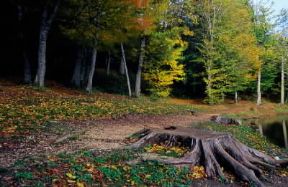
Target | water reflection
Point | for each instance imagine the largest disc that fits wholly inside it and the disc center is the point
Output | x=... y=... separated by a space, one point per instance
x=274 y=130
x=285 y=133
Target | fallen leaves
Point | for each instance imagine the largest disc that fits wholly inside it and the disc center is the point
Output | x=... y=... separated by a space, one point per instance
x=23 y=108
x=197 y=172
x=173 y=151
x=70 y=176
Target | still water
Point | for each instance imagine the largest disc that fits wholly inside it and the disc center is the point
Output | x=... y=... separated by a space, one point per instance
x=274 y=129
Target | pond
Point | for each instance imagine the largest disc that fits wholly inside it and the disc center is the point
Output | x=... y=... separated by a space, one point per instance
x=275 y=129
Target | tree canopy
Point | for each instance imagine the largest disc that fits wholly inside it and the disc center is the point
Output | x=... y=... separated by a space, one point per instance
x=212 y=48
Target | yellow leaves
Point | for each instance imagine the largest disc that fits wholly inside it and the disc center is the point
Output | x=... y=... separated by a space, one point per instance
x=80 y=184
x=154 y=148
x=113 y=167
x=178 y=150
x=126 y=168
x=198 y=172
x=188 y=32
x=89 y=167
x=52 y=158
x=71 y=176
x=284 y=173
x=71 y=181
x=160 y=149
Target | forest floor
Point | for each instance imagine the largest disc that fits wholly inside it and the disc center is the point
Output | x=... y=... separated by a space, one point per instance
x=64 y=137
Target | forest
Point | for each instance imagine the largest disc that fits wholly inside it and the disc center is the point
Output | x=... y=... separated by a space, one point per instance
x=73 y=71
x=192 y=49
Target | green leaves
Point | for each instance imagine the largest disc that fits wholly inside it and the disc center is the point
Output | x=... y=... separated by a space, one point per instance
x=162 y=67
x=228 y=47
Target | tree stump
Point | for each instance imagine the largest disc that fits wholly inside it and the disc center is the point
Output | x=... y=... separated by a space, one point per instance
x=225 y=120
x=212 y=150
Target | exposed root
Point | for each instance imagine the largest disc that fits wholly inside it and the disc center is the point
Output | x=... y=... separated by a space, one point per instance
x=212 y=150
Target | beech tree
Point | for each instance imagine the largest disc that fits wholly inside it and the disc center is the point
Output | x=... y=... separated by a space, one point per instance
x=21 y=14
x=148 y=12
x=262 y=28
x=164 y=51
x=92 y=22
x=238 y=47
x=228 y=47
x=49 y=11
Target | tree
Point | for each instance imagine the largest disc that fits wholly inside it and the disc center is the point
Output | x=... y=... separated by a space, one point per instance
x=282 y=23
x=209 y=11
x=49 y=10
x=92 y=23
x=262 y=28
x=148 y=12
x=164 y=51
x=238 y=47
x=227 y=47
x=21 y=13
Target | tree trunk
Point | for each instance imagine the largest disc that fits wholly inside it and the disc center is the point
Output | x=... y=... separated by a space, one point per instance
x=42 y=57
x=285 y=133
x=236 y=97
x=27 y=69
x=108 y=64
x=140 y=66
x=208 y=83
x=76 y=78
x=213 y=150
x=83 y=74
x=122 y=67
x=46 y=21
x=126 y=70
x=259 y=100
x=282 y=81
x=84 y=67
x=27 y=66
x=91 y=71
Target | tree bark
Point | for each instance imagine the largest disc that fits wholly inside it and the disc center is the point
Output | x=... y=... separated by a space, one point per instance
x=76 y=78
x=259 y=95
x=126 y=70
x=91 y=71
x=236 y=97
x=122 y=67
x=46 y=21
x=27 y=69
x=213 y=150
x=108 y=64
x=42 y=57
x=140 y=66
x=282 y=81
x=285 y=133
x=84 y=67
x=27 y=66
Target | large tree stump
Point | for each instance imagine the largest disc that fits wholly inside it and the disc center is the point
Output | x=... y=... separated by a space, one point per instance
x=212 y=150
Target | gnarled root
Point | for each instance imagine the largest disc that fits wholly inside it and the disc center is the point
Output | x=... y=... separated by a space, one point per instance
x=212 y=150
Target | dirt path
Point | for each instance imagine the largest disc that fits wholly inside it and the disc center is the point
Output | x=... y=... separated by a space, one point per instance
x=70 y=136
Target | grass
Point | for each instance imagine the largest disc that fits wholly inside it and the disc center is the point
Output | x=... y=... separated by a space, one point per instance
x=245 y=134
x=282 y=109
